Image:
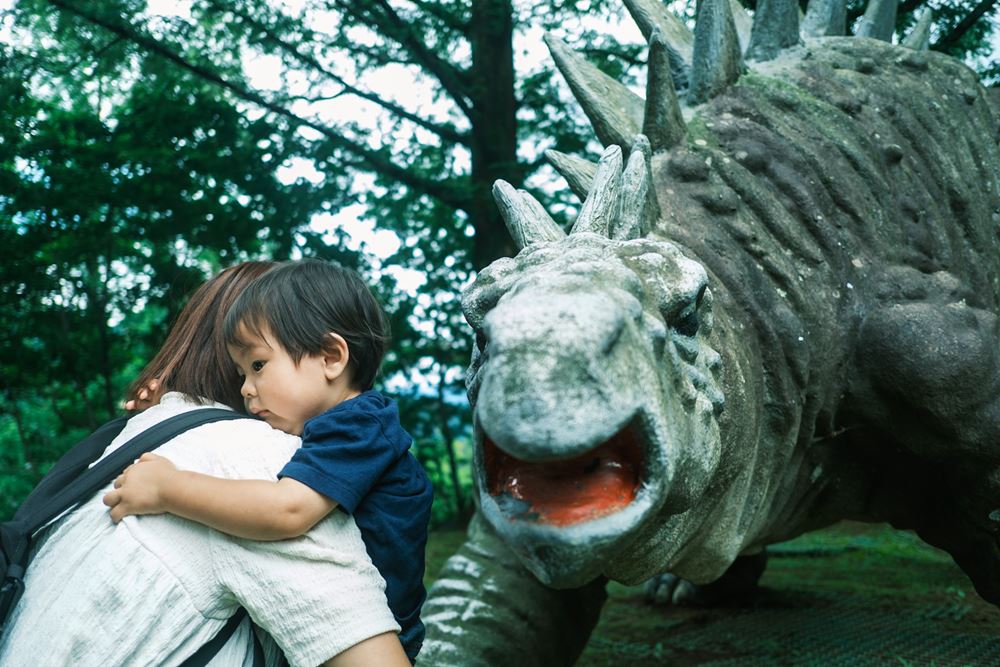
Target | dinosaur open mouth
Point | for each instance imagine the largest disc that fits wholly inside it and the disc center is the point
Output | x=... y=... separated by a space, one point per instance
x=600 y=482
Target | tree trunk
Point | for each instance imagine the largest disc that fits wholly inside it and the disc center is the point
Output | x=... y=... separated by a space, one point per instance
x=494 y=126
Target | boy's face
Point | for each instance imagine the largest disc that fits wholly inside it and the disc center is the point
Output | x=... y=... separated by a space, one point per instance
x=279 y=391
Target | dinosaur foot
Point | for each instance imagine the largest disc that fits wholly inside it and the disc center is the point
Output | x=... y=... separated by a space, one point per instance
x=739 y=583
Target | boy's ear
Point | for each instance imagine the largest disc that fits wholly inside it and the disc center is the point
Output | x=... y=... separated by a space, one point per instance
x=336 y=354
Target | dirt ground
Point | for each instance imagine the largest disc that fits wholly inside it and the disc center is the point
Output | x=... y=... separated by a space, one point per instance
x=851 y=595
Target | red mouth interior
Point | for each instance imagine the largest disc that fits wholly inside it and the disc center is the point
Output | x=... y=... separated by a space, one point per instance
x=600 y=482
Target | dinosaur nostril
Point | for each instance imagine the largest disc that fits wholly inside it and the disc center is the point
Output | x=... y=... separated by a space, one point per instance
x=612 y=339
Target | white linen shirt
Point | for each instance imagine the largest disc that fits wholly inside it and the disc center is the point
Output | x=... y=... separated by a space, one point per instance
x=151 y=590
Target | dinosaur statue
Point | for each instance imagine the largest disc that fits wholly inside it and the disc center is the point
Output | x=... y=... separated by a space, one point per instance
x=776 y=309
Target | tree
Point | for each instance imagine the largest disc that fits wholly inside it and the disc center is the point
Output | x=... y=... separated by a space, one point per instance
x=423 y=171
x=126 y=181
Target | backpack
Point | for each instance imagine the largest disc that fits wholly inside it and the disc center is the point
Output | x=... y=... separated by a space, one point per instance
x=70 y=483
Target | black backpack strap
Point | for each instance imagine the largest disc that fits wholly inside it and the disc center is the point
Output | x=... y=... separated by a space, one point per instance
x=73 y=463
x=104 y=472
x=204 y=655
x=70 y=483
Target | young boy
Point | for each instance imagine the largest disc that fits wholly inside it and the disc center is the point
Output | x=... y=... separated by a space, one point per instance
x=309 y=337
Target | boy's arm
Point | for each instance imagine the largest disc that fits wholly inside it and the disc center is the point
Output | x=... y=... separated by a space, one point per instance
x=253 y=509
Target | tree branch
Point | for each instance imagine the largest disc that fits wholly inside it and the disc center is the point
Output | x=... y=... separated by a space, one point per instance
x=375 y=159
x=908 y=6
x=393 y=25
x=963 y=26
x=444 y=131
x=435 y=9
x=68 y=69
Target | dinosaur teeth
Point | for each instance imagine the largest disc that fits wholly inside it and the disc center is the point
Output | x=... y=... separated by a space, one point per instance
x=597 y=483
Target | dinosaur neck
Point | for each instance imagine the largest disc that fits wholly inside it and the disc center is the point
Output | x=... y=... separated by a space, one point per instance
x=786 y=361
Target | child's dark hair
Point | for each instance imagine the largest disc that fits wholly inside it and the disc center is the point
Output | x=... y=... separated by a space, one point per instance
x=300 y=302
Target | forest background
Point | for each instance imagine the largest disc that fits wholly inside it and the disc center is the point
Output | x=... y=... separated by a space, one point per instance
x=146 y=145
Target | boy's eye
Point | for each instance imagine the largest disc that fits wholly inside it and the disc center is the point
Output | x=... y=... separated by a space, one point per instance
x=257 y=366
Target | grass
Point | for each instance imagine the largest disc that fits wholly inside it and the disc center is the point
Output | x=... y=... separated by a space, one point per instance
x=853 y=594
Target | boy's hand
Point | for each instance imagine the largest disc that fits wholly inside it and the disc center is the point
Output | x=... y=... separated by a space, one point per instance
x=139 y=489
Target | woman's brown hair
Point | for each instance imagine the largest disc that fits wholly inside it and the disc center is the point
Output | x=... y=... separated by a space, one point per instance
x=193 y=359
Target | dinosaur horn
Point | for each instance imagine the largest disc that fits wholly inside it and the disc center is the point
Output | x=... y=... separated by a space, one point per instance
x=652 y=14
x=526 y=219
x=579 y=173
x=919 y=38
x=717 y=61
x=825 y=18
x=614 y=111
x=743 y=23
x=662 y=122
x=775 y=27
x=604 y=201
x=640 y=209
x=879 y=20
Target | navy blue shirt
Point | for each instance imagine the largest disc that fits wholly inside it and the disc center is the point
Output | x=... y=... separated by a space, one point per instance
x=357 y=454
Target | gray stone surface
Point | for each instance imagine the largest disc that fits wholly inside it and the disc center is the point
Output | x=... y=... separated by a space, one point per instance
x=879 y=20
x=579 y=173
x=775 y=27
x=825 y=18
x=743 y=22
x=920 y=37
x=651 y=15
x=804 y=328
x=663 y=122
x=717 y=60
x=614 y=111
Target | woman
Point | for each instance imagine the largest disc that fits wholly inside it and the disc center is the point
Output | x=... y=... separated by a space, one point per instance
x=152 y=590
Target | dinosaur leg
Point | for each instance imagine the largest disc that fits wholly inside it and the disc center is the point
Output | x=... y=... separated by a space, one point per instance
x=738 y=583
x=486 y=609
x=929 y=373
x=929 y=377
x=961 y=515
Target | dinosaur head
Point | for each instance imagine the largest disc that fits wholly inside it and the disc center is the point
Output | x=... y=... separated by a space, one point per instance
x=593 y=382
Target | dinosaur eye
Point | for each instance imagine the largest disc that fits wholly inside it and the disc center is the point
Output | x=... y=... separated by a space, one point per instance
x=701 y=295
x=687 y=325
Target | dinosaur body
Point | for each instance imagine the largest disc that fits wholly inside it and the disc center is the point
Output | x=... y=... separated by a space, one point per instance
x=781 y=314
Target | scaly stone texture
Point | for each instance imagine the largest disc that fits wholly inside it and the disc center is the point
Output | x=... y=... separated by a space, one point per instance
x=808 y=334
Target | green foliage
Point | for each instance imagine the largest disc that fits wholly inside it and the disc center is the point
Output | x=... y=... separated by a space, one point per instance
x=126 y=182
x=137 y=157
